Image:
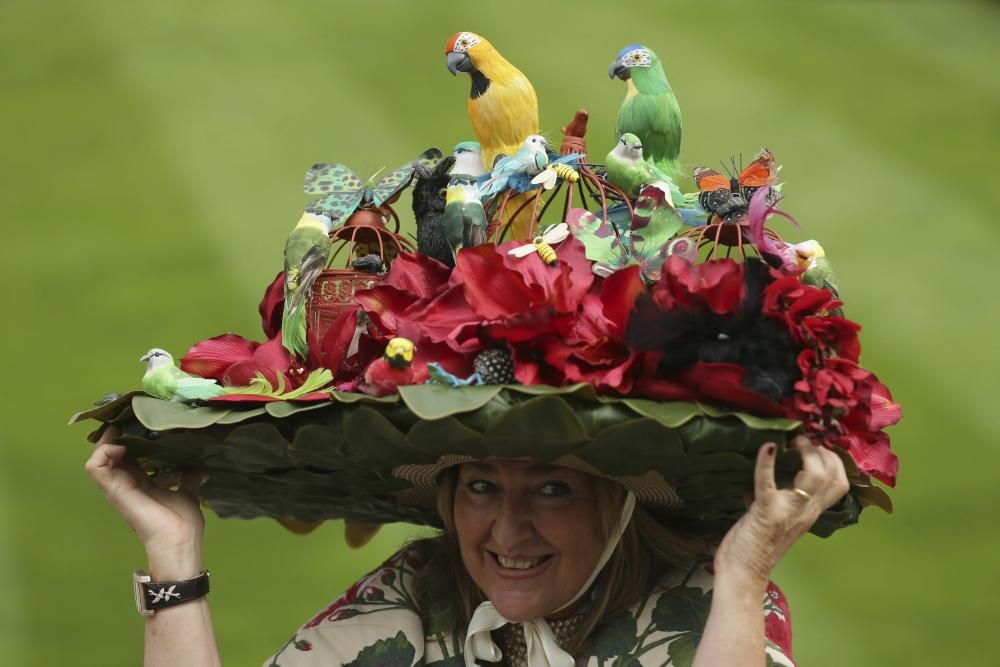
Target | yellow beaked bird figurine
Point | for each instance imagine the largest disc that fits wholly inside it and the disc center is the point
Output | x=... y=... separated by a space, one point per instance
x=503 y=106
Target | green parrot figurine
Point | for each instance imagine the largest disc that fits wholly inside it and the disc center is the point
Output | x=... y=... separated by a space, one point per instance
x=164 y=380
x=650 y=110
x=464 y=219
x=307 y=252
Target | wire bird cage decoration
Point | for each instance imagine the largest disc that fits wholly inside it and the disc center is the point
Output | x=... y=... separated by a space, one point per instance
x=589 y=186
x=365 y=233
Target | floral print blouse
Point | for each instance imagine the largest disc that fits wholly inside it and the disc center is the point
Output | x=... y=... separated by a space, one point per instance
x=376 y=623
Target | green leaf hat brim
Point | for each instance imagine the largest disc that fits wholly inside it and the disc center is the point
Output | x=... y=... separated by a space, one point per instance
x=308 y=462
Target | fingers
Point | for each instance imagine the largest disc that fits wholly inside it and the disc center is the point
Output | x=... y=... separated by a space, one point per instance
x=812 y=461
x=822 y=476
x=190 y=483
x=102 y=461
x=764 y=471
x=109 y=435
x=108 y=468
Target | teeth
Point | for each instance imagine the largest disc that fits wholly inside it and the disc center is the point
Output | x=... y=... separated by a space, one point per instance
x=515 y=564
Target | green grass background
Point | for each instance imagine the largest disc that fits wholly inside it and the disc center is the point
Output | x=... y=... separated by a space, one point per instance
x=151 y=164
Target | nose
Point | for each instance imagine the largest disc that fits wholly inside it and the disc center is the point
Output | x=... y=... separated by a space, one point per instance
x=512 y=525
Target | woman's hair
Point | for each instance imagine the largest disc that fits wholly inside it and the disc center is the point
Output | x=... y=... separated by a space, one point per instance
x=647 y=550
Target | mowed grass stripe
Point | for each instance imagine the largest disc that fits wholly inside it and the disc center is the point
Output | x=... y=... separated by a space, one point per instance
x=109 y=264
x=246 y=187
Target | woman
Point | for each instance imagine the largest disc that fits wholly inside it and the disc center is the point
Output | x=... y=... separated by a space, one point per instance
x=538 y=565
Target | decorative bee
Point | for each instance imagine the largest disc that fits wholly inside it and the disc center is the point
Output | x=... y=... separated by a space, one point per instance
x=542 y=244
x=726 y=197
x=547 y=177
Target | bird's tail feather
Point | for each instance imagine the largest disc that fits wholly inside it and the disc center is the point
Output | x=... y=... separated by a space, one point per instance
x=293 y=332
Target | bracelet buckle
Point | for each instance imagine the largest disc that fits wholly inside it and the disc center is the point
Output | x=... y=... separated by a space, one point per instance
x=140 y=577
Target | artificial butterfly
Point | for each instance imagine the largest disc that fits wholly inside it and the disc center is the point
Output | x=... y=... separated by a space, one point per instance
x=728 y=196
x=646 y=243
x=344 y=192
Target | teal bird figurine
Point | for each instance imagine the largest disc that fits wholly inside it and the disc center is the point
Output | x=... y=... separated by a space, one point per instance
x=468 y=159
x=164 y=380
x=650 y=110
x=529 y=159
x=307 y=252
x=464 y=219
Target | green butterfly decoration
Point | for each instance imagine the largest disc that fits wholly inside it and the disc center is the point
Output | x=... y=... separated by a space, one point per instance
x=344 y=192
x=647 y=241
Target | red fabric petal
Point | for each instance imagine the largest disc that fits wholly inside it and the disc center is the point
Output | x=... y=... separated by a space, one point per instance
x=241 y=398
x=384 y=304
x=659 y=389
x=417 y=274
x=210 y=358
x=493 y=290
x=269 y=359
x=723 y=383
x=456 y=363
x=313 y=397
x=272 y=306
x=618 y=294
x=871 y=453
x=716 y=284
x=337 y=341
x=884 y=411
x=439 y=319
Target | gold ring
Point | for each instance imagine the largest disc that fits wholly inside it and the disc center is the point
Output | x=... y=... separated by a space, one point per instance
x=801 y=492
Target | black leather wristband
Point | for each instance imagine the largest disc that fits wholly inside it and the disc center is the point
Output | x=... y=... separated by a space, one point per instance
x=151 y=596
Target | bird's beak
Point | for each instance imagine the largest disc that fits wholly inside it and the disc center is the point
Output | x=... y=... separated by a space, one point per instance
x=619 y=70
x=458 y=62
x=144 y=357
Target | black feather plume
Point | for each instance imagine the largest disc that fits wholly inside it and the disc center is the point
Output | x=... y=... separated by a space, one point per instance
x=746 y=338
x=428 y=208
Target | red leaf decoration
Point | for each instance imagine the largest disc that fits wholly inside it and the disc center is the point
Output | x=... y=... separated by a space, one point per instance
x=272 y=306
x=210 y=358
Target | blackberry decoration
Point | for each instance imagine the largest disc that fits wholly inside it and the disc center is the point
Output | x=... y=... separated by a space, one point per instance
x=495 y=366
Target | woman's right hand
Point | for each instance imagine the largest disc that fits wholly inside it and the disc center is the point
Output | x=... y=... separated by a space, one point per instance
x=168 y=523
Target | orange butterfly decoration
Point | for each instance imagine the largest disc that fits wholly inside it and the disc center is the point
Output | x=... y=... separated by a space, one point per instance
x=727 y=197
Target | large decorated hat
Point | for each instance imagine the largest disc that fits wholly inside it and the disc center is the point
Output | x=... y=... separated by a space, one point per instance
x=553 y=309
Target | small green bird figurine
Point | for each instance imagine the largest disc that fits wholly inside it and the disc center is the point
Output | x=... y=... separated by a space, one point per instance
x=464 y=220
x=630 y=171
x=164 y=380
x=307 y=252
x=818 y=269
x=650 y=110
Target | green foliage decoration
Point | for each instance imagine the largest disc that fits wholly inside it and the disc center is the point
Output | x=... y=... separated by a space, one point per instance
x=311 y=461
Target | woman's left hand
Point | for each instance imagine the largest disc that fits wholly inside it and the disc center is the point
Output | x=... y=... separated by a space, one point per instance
x=778 y=517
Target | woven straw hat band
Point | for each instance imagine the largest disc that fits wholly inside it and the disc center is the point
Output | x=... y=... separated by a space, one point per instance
x=650 y=489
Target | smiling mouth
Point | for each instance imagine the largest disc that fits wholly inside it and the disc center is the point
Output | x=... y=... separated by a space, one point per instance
x=519 y=564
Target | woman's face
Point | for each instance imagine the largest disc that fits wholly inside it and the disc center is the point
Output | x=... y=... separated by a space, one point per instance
x=529 y=533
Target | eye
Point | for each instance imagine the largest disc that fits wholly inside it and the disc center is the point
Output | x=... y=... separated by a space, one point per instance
x=443 y=192
x=480 y=486
x=555 y=489
x=463 y=43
